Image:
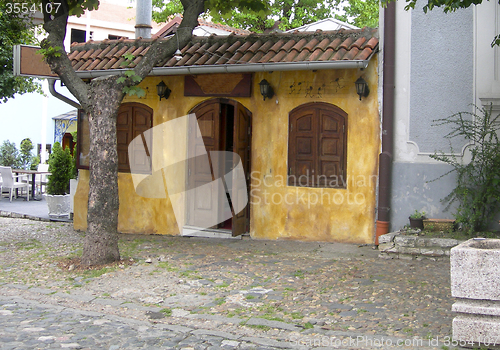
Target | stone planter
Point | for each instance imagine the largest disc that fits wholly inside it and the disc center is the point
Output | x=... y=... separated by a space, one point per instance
x=59 y=205
x=475 y=281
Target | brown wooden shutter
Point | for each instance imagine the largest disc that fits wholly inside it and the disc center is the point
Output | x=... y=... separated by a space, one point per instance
x=317 y=145
x=133 y=120
x=123 y=136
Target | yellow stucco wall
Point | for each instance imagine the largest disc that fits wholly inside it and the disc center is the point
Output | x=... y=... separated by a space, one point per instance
x=277 y=211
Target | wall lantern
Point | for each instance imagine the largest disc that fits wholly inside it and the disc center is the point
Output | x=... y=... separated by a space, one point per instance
x=162 y=90
x=362 y=88
x=265 y=89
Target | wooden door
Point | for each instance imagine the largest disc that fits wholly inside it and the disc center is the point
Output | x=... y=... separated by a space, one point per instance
x=241 y=181
x=203 y=198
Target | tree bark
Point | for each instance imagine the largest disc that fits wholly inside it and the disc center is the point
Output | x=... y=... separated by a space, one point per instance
x=101 y=100
x=101 y=240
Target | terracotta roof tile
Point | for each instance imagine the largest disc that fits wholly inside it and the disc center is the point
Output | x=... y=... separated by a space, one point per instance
x=302 y=56
x=279 y=57
x=277 y=46
x=335 y=43
x=346 y=44
x=255 y=46
x=256 y=58
x=288 y=45
x=266 y=46
x=359 y=43
x=315 y=54
x=338 y=55
x=193 y=49
x=311 y=44
x=244 y=47
x=222 y=49
x=356 y=44
x=234 y=47
x=372 y=43
x=290 y=56
x=300 y=44
x=351 y=54
x=363 y=55
x=327 y=54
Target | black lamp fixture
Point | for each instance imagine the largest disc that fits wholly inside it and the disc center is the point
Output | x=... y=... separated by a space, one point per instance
x=362 y=88
x=162 y=90
x=265 y=89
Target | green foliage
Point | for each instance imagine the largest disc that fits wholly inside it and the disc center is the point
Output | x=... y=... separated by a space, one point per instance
x=35 y=162
x=9 y=154
x=50 y=51
x=26 y=159
x=418 y=215
x=60 y=162
x=477 y=189
x=361 y=13
x=14 y=30
x=78 y=7
x=165 y=10
x=263 y=14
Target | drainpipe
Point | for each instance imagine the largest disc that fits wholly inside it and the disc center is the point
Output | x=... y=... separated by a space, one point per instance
x=385 y=158
x=143 y=13
x=53 y=92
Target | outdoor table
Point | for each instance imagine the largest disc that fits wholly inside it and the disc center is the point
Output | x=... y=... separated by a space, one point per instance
x=33 y=174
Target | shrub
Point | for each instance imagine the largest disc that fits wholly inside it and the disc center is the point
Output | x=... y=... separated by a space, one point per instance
x=60 y=163
x=9 y=155
x=477 y=189
x=26 y=159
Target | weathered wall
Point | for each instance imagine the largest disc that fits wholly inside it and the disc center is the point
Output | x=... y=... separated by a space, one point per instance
x=277 y=210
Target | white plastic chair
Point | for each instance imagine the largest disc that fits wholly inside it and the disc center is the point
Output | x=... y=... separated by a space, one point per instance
x=11 y=182
x=41 y=179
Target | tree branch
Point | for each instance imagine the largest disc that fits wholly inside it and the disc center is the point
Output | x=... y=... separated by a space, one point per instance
x=56 y=57
x=161 y=49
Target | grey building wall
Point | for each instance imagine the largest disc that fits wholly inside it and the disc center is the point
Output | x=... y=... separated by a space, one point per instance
x=441 y=83
x=442 y=73
x=418 y=186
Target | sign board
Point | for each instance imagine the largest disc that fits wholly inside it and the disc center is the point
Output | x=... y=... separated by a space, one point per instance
x=29 y=63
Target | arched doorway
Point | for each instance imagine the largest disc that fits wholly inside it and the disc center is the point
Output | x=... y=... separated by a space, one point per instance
x=225 y=125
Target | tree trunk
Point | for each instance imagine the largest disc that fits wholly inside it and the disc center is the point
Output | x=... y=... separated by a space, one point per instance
x=101 y=240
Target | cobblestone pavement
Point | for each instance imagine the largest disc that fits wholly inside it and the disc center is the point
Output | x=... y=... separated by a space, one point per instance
x=194 y=293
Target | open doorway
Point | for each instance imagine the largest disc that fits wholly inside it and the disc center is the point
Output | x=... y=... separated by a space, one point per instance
x=225 y=126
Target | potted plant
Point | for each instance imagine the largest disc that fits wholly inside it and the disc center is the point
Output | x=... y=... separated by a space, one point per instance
x=417 y=219
x=60 y=165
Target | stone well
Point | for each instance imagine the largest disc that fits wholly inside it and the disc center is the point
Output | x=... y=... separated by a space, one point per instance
x=475 y=282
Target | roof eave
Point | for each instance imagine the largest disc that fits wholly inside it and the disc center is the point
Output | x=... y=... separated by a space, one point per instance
x=238 y=68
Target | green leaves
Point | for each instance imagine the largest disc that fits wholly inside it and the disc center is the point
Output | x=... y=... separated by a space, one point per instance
x=50 y=51
x=477 y=190
x=134 y=79
x=14 y=29
x=134 y=90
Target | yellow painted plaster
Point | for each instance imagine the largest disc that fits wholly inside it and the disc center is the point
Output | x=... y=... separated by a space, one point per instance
x=278 y=211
